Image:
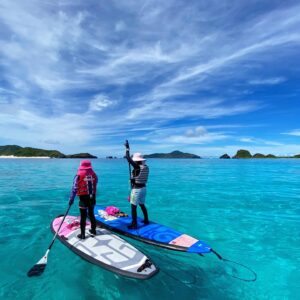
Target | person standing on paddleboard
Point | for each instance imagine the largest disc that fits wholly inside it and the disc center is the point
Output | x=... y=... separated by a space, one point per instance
x=138 y=179
x=84 y=186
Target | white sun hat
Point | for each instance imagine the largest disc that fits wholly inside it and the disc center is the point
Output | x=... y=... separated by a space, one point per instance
x=138 y=157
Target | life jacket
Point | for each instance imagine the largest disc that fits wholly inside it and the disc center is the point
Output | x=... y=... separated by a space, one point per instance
x=87 y=182
x=142 y=177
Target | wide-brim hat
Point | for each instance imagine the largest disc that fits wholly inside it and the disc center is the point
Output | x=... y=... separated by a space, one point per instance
x=138 y=157
x=85 y=165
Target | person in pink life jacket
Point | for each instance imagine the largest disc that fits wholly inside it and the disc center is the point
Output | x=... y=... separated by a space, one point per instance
x=85 y=186
x=139 y=178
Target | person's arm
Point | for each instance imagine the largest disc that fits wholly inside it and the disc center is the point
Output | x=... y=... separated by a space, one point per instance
x=73 y=190
x=129 y=159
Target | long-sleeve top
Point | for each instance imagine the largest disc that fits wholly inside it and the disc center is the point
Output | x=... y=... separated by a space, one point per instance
x=74 y=188
x=135 y=172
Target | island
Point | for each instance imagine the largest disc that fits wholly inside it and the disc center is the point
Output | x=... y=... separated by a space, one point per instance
x=80 y=155
x=246 y=154
x=18 y=151
x=242 y=154
x=174 y=154
x=225 y=156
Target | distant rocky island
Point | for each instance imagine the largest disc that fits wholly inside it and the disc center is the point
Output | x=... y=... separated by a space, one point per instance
x=17 y=151
x=174 y=154
x=246 y=154
x=225 y=156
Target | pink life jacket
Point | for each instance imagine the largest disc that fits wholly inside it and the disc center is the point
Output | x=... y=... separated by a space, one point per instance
x=87 y=182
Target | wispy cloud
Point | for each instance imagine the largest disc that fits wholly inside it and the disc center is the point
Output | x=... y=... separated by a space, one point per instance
x=135 y=67
x=198 y=135
x=27 y=126
x=295 y=132
x=267 y=81
x=173 y=137
x=260 y=141
x=203 y=108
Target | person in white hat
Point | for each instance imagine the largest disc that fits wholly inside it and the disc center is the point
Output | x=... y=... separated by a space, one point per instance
x=139 y=178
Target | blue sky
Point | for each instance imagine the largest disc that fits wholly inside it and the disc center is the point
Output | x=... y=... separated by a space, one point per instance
x=206 y=77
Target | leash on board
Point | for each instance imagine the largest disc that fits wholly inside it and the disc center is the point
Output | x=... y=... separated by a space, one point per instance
x=231 y=262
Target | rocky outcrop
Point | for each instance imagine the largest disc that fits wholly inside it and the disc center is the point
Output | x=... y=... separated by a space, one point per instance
x=81 y=155
x=225 y=156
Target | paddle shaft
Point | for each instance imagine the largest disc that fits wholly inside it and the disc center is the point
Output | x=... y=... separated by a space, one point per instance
x=129 y=166
x=40 y=266
x=52 y=242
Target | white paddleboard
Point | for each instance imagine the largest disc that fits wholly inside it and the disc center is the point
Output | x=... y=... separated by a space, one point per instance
x=104 y=249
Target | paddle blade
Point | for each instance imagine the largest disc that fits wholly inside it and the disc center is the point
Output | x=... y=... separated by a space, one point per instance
x=36 y=270
x=39 y=267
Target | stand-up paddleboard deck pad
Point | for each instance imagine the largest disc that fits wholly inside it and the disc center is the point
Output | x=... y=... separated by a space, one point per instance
x=104 y=249
x=152 y=233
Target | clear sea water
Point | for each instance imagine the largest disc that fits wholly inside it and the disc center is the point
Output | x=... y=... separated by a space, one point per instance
x=247 y=210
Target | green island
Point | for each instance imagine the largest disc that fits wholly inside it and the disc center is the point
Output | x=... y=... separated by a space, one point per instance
x=246 y=154
x=174 y=154
x=18 y=151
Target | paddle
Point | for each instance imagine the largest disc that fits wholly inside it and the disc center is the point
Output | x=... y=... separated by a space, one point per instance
x=129 y=166
x=40 y=266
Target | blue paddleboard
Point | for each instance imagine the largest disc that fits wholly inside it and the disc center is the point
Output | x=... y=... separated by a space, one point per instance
x=152 y=233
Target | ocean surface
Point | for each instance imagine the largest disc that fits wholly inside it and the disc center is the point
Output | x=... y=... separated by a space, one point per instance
x=247 y=210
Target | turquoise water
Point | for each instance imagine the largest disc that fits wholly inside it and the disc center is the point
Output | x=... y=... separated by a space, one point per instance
x=247 y=210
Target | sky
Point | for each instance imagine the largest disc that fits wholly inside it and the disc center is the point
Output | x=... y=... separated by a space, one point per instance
x=204 y=77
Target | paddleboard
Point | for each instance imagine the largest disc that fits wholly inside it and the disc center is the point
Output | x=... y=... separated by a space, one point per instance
x=104 y=249
x=153 y=233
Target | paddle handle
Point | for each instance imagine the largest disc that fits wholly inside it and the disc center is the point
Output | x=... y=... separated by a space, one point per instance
x=52 y=242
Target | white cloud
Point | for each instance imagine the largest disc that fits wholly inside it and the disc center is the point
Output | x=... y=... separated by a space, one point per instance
x=100 y=102
x=267 y=81
x=196 y=132
x=295 y=132
x=260 y=141
x=177 y=136
x=200 y=139
x=202 y=108
x=27 y=127
x=247 y=140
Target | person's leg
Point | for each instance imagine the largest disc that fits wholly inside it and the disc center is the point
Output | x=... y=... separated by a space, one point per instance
x=83 y=215
x=133 y=202
x=142 y=199
x=133 y=224
x=145 y=212
x=92 y=219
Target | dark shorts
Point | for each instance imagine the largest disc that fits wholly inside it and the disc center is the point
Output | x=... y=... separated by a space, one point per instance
x=86 y=201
